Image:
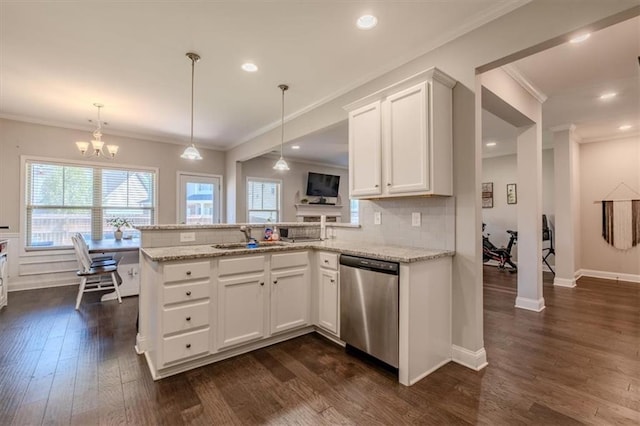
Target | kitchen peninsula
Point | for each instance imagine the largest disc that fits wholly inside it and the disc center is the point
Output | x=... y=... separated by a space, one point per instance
x=210 y=297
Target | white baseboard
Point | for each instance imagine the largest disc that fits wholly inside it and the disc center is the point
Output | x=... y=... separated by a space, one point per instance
x=618 y=276
x=530 y=304
x=474 y=360
x=564 y=282
x=32 y=282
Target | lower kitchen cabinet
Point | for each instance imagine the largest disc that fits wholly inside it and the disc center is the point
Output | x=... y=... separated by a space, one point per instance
x=328 y=300
x=290 y=291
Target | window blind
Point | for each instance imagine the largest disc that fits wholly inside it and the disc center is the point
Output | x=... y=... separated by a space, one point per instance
x=62 y=199
x=263 y=200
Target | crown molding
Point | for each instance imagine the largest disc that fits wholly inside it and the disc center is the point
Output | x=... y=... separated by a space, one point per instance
x=517 y=75
x=611 y=137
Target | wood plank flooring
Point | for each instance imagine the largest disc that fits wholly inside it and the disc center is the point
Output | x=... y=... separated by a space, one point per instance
x=576 y=362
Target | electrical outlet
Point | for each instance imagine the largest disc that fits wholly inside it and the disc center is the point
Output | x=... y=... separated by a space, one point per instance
x=415 y=219
x=187 y=237
x=377 y=218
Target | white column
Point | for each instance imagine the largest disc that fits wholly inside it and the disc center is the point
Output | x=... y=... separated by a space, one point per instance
x=530 y=219
x=566 y=209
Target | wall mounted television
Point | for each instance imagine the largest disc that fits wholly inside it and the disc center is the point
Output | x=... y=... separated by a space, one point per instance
x=321 y=185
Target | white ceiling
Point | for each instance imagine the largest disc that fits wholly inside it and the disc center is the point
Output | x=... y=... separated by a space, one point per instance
x=573 y=76
x=58 y=58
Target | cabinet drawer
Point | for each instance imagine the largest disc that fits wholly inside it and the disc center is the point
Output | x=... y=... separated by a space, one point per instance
x=241 y=265
x=185 y=346
x=186 y=271
x=186 y=292
x=289 y=260
x=328 y=260
x=185 y=318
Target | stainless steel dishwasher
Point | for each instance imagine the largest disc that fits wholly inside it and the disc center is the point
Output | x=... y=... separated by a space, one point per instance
x=369 y=306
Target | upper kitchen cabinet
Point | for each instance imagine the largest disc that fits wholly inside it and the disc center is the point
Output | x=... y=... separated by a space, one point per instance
x=400 y=139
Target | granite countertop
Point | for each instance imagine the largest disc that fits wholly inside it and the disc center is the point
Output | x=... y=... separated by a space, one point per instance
x=390 y=253
x=173 y=227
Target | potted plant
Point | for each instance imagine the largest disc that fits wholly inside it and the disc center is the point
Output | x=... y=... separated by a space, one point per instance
x=304 y=201
x=118 y=223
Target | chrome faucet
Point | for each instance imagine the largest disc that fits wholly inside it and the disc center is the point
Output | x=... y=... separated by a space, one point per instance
x=247 y=232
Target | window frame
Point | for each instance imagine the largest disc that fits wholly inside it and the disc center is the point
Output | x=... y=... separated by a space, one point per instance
x=25 y=159
x=269 y=180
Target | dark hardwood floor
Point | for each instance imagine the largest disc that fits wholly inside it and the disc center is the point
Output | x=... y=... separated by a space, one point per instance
x=576 y=362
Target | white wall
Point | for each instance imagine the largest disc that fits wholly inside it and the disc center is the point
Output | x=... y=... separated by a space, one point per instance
x=502 y=171
x=603 y=166
x=56 y=267
x=293 y=181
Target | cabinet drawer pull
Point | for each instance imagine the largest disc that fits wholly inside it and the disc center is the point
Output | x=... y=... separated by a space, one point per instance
x=188 y=345
x=376 y=186
x=333 y=281
x=188 y=293
x=275 y=281
x=188 y=318
x=388 y=183
x=188 y=272
x=326 y=261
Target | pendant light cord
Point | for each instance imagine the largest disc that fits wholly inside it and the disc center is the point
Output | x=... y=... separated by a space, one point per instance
x=193 y=72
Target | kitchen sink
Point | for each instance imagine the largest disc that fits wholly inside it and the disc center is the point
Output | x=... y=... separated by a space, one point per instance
x=243 y=246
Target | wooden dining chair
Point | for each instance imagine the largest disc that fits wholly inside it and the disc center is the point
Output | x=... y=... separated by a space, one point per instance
x=92 y=273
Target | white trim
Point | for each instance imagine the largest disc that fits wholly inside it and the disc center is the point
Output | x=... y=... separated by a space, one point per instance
x=512 y=71
x=564 y=282
x=611 y=137
x=474 y=360
x=530 y=304
x=618 y=276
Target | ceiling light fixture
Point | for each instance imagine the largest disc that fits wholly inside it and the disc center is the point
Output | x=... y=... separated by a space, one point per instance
x=190 y=152
x=366 y=22
x=580 y=38
x=250 y=67
x=295 y=146
x=491 y=144
x=624 y=127
x=97 y=144
x=609 y=95
x=281 y=164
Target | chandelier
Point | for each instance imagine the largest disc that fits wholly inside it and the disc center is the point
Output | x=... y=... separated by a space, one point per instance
x=97 y=144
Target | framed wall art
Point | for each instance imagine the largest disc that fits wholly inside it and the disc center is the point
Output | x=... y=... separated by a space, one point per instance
x=487 y=195
x=512 y=193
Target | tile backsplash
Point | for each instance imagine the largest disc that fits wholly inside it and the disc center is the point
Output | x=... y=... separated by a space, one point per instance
x=436 y=231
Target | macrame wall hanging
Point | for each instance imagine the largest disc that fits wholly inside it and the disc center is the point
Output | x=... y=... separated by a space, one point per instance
x=621 y=220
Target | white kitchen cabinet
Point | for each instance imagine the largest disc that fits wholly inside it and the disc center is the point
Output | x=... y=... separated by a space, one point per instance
x=241 y=300
x=290 y=291
x=365 y=148
x=328 y=300
x=400 y=139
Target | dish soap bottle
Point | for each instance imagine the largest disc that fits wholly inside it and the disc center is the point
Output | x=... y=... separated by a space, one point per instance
x=275 y=236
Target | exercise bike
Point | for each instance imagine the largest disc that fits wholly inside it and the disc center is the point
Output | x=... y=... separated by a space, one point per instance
x=502 y=255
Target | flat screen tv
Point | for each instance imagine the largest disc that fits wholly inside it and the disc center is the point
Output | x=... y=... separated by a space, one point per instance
x=321 y=185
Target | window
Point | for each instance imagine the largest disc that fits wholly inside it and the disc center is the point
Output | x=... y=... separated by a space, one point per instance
x=354 y=209
x=263 y=200
x=62 y=199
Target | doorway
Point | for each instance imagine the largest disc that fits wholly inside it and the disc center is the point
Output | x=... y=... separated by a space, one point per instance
x=199 y=198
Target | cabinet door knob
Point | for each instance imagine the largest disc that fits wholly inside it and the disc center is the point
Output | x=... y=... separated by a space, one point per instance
x=275 y=281
x=188 y=318
x=261 y=282
x=326 y=261
x=333 y=281
x=188 y=272
x=188 y=293
x=188 y=345
x=388 y=183
x=376 y=186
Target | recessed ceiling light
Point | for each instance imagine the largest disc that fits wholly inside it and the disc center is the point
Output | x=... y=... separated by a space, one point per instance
x=609 y=95
x=491 y=144
x=250 y=67
x=580 y=38
x=295 y=146
x=366 y=22
x=624 y=127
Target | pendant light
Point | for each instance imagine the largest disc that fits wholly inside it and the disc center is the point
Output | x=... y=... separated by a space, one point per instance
x=281 y=164
x=191 y=153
